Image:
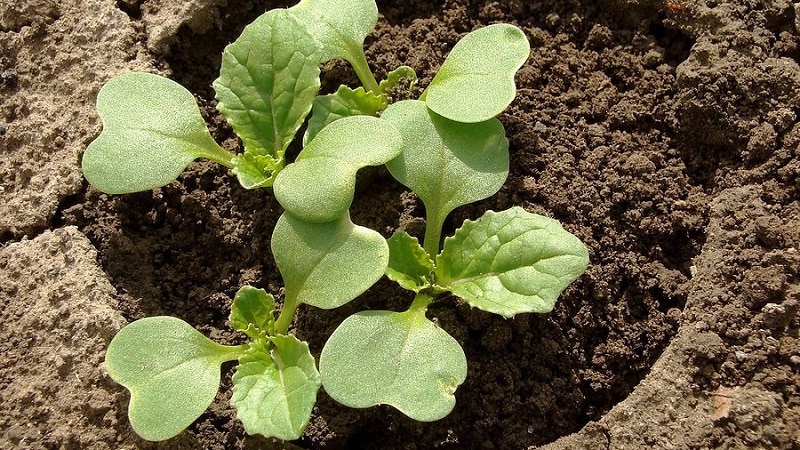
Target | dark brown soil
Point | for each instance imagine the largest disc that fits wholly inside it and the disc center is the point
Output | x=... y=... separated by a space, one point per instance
x=647 y=128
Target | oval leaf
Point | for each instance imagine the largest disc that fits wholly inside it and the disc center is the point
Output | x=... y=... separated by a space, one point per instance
x=476 y=80
x=327 y=264
x=171 y=370
x=398 y=359
x=511 y=262
x=152 y=130
x=319 y=186
x=339 y=26
x=266 y=86
x=446 y=163
x=274 y=393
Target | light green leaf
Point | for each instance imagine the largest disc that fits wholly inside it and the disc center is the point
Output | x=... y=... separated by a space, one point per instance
x=446 y=163
x=511 y=262
x=344 y=103
x=327 y=264
x=152 y=130
x=274 y=392
x=476 y=81
x=409 y=264
x=319 y=186
x=266 y=86
x=252 y=312
x=171 y=370
x=394 y=78
x=398 y=359
x=339 y=26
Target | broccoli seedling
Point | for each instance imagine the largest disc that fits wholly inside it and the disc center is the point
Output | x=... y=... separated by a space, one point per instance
x=506 y=263
x=448 y=147
x=173 y=372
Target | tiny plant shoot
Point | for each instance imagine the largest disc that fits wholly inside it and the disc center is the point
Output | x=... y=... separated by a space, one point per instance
x=448 y=147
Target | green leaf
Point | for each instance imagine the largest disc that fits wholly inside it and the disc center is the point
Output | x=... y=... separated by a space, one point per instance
x=252 y=312
x=327 y=264
x=344 y=103
x=511 y=262
x=394 y=78
x=152 y=130
x=476 y=81
x=398 y=359
x=274 y=392
x=409 y=264
x=171 y=370
x=339 y=26
x=446 y=163
x=319 y=186
x=266 y=86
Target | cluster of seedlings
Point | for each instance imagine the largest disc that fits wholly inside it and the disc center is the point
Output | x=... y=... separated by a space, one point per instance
x=448 y=147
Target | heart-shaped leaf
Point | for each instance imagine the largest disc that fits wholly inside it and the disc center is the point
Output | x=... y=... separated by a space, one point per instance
x=274 y=392
x=476 y=80
x=171 y=370
x=319 y=186
x=339 y=26
x=398 y=359
x=409 y=264
x=511 y=262
x=266 y=86
x=327 y=264
x=152 y=130
x=253 y=312
x=446 y=163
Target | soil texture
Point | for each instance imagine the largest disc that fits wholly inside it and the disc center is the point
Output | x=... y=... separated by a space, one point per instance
x=664 y=134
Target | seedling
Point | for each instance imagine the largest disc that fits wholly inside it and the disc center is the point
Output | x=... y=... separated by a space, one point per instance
x=506 y=263
x=447 y=146
x=173 y=371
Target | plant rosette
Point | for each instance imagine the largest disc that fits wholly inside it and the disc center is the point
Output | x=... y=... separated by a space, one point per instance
x=448 y=147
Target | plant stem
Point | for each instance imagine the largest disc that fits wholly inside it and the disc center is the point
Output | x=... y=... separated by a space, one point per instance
x=285 y=317
x=433 y=234
x=421 y=302
x=360 y=65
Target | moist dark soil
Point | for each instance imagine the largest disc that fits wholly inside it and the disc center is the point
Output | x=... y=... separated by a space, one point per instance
x=637 y=124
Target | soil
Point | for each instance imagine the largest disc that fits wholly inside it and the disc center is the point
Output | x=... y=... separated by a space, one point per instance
x=664 y=134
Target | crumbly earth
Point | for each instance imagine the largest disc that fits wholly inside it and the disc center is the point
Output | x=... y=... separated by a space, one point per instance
x=664 y=134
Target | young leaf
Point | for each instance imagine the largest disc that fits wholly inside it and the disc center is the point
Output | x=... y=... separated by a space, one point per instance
x=171 y=370
x=476 y=80
x=344 y=103
x=339 y=26
x=409 y=264
x=253 y=312
x=152 y=130
x=327 y=264
x=320 y=184
x=511 y=262
x=266 y=86
x=446 y=163
x=273 y=393
x=394 y=78
x=398 y=359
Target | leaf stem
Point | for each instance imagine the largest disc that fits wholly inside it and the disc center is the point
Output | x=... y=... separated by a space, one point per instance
x=433 y=234
x=219 y=155
x=359 y=62
x=232 y=352
x=285 y=317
